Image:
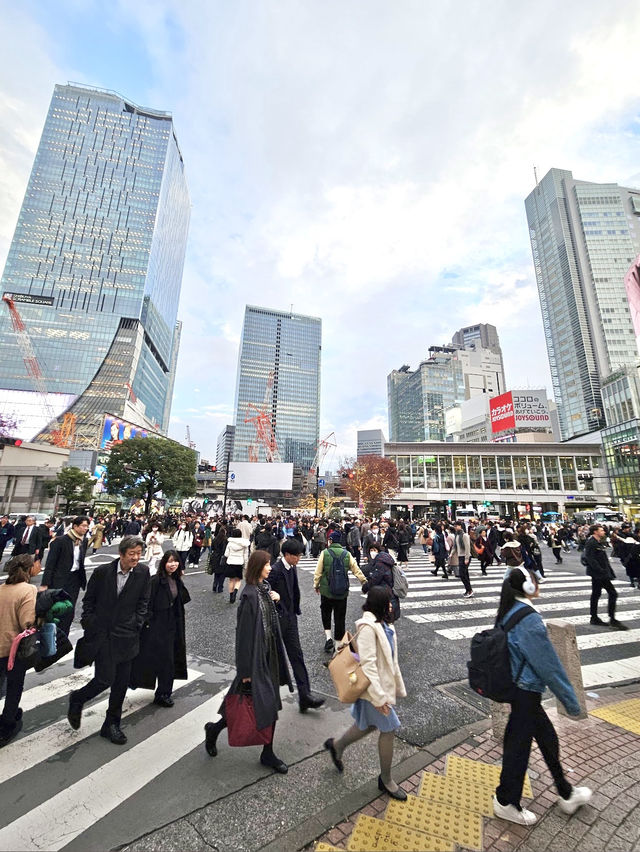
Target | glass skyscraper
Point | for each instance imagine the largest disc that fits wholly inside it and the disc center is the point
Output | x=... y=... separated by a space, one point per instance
x=583 y=236
x=96 y=266
x=278 y=375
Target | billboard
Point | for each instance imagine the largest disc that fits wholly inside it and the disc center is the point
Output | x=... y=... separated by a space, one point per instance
x=115 y=431
x=260 y=476
x=531 y=408
x=501 y=412
x=632 y=286
x=28 y=299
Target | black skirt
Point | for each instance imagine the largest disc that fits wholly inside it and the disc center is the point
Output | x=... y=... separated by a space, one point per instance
x=233 y=572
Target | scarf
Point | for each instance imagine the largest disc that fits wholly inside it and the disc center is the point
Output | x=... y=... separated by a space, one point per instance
x=268 y=611
x=75 y=538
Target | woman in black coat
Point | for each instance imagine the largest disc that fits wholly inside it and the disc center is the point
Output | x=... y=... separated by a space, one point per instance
x=380 y=573
x=261 y=667
x=163 y=647
x=218 y=546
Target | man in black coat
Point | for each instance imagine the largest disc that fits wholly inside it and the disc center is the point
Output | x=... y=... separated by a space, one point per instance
x=283 y=579
x=7 y=531
x=65 y=566
x=114 y=609
x=132 y=527
x=601 y=573
x=28 y=539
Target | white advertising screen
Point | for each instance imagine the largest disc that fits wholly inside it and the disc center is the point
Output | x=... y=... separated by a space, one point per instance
x=260 y=476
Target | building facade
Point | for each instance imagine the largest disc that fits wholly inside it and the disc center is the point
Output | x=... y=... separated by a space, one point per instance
x=224 y=446
x=621 y=436
x=370 y=442
x=25 y=472
x=278 y=386
x=95 y=266
x=583 y=238
x=481 y=358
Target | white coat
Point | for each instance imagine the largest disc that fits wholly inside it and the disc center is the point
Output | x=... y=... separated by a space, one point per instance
x=237 y=551
x=182 y=540
x=378 y=664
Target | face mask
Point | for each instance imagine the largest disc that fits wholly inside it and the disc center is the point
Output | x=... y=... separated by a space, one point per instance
x=183 y=526
x=155 y=529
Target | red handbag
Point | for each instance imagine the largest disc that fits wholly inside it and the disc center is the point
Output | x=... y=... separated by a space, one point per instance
x=241 y=722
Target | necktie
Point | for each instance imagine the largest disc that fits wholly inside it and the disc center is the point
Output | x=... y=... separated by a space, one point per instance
x=25 y=537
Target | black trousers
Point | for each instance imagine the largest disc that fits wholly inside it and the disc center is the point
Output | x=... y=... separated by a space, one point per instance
x=15 y=685
x=357 y=555
x=165 y=670
x=441 y=562
x=596 y=590
x=291 y=640
x=337 y=606
x=119 y=687
x=72 y=588
x=528 y=721
x=463 y=571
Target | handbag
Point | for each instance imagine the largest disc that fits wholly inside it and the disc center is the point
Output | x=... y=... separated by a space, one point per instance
x=241 y=721
x=346 y=671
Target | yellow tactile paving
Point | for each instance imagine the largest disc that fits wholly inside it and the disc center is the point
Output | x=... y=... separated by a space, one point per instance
x=454 y=791
x=477 y=772
x=327 y=847
x=377 y=835
x=438 y=819
x=623 y=714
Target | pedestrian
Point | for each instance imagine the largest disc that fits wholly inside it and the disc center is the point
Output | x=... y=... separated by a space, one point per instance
x=555 y=544
x=7 y=532
x=261 y=667
x=372 y=537
x=374 y=710
x=97 y=536
x=132 y=526
x=390 y=540
x=354 y=541
x=114 y=609
x=380 y=573
x=163 y=645
x=439 y=550
x=480 y=547
x=153 y=552
x=599 y=569
x=404 y=537
x=64 y=568
x=216 y=567
x=331 y=582
x=28 y=539
x=284 y=580
x=17 y=613
x=237 y=554
x=630 y=557
x=182 y=541
x=460 y=556
x=534 y=666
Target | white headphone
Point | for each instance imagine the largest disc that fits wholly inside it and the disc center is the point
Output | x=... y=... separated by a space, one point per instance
x=528 y=587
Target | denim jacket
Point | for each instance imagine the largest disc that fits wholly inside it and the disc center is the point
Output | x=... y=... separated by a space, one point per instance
x=529 y=642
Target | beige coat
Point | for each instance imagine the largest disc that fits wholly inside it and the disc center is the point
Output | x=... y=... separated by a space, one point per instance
x=377 y=663
x=17 y=612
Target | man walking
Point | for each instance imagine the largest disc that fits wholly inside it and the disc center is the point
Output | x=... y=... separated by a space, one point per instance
x=354 y=541
x=7 y=531
x=599 y=569
x=331 y=582
x=27 y=539
x=65 y=566
x=283 y=579
x=113 y=611
x=461 y=556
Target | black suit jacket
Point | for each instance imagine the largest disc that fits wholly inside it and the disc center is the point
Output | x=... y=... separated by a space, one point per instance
x=60 y=562
x=35 y=544
x=285 y=583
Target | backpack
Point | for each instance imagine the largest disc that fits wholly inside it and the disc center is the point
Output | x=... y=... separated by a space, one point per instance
x=490 y=665
x=436 y=547
x=338 y=577
x=400 y=582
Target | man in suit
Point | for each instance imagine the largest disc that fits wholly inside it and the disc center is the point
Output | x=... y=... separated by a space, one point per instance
x=283 y=579
x=373 y=536
x=28 y=539
x=7 y=532
x=65 y=566
x=113 y=611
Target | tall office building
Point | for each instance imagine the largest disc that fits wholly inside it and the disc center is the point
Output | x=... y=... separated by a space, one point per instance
x=583 y=238
x=95 y=267
x=278 y=386
x=224 y=446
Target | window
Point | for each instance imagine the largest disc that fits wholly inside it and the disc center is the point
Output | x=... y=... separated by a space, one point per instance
x=569 y=478
x=460 y=471
x=474 y=470
x=446 y=472
x=417 y=471
x=520 y=473
x=489 y=473
x=505 y=474
x=553 y=473
x=536 y=473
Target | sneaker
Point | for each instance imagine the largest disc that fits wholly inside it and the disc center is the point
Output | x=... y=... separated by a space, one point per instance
x=596 y=620
x=617 y=625
x=329 y=647
x=512 y=814
x=468 y=595
x=579 y=796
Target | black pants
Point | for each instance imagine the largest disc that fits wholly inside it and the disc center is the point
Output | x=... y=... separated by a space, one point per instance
x=15 y=685
x=463 y=571
x=291 y=640
x=357 y=554
x=596 y=590
x=528 y=721
x=218 y=582
x=440 y=562
x=165 y=670
x=72 y=588
x=337 y=606
x=119 y=687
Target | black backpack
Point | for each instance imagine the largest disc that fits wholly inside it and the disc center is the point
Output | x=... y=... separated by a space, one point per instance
x=338 y=576
x=490 y=666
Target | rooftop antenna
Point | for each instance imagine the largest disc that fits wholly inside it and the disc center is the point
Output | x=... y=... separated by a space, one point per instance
x=535 y=175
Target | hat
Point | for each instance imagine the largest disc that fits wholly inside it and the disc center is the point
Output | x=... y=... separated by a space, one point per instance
x=336 y=535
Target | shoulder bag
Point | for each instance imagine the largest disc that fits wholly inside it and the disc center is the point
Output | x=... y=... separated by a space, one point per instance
x=346 y=671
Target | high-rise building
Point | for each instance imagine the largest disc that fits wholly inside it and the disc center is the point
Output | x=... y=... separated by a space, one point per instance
x=95 y=267
x=370 y=442
x=225 y=446
x=583 y=238
x=278 y=387
x=481 y=357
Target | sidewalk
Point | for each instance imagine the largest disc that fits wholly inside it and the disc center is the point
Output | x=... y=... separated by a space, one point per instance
x=453 y=811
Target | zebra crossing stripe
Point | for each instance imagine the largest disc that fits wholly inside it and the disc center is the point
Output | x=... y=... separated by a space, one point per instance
x=468 y=614
x=548 y=589
x=468 y=632
x=459 y=600
x=60 y=819
x=613 y=671
x=53 y=689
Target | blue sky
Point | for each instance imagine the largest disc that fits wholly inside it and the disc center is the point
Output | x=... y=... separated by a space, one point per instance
x=365 y=161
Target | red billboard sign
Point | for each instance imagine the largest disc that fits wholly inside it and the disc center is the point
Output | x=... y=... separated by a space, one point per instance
x=502 y=413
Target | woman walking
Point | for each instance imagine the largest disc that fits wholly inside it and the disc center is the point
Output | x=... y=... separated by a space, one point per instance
x=153 y=552
x=97 y=536
x=237 y=554
x=374 y=710
x=261 y=667
x=218 y=546
x=163 y=646
x=404 y=543
x=182 y=541
x=380 y=573
x=534 y=666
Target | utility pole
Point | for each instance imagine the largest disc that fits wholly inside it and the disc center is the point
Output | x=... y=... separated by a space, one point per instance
x=317 y=487
x=226 y=484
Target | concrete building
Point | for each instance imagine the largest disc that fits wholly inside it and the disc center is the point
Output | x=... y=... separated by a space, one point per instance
x=370 y=442
x=621 y=437
x=24 y=473
x=481 y=358
x=224 y=447
x=583 y=238
x=95 y=268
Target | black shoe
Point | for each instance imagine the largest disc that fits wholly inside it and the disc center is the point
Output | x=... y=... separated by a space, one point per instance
x=434 y=572
x=274 y=762
x=210 y=738
x=310 y=703
x=445 y=576
x=596 y=620
x=7 y=734
x=164 y=701
x=399 y=794
x=617 y=625
x=339 y=765
x=111 y=731
x=233 y=596
x=74 y=713
x=329 y=647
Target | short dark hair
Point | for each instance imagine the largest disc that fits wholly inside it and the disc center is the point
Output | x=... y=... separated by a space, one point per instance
x=129 y=542
x=235 y=533
x=80 y=519
x=595 y=527
x=166 y=556
x=256 y=563
x=292 y=546
x=19 y=569
x=377 y=602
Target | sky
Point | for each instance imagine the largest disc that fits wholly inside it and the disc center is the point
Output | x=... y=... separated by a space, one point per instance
x=364 y=161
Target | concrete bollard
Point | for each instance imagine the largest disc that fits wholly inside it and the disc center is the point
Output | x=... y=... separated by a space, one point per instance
x=563 y=639
x=499 y=717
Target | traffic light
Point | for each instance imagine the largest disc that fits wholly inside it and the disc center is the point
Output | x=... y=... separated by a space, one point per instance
x=449 y=502
x=205 y=501
x=351 y=475
x=213 y=468
x=249 y=499
x=10 y=442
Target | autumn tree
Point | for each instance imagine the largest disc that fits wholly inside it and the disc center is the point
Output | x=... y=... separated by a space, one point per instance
x=372 y=479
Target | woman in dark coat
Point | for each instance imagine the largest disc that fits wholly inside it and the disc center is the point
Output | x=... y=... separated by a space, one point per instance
x=404 y=543
x=163 y=647
x=218 y=546
x=380 y=573
x=261 y=667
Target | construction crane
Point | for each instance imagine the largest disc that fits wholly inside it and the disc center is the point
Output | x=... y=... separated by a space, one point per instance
x=323 y=448
x=265 y=434
x=191 y=444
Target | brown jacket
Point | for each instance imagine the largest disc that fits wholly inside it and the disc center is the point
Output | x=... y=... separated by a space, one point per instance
x=17 y=612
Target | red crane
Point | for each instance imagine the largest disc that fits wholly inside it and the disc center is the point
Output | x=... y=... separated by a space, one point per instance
x=265 y=434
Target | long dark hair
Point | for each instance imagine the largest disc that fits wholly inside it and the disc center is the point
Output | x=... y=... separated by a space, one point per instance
x=166 y=556
x=512 y=588
x=221 y=534
x=377 y=603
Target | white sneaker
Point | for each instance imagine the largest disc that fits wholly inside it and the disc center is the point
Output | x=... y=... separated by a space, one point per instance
x=579 y=796
x=512 y=814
